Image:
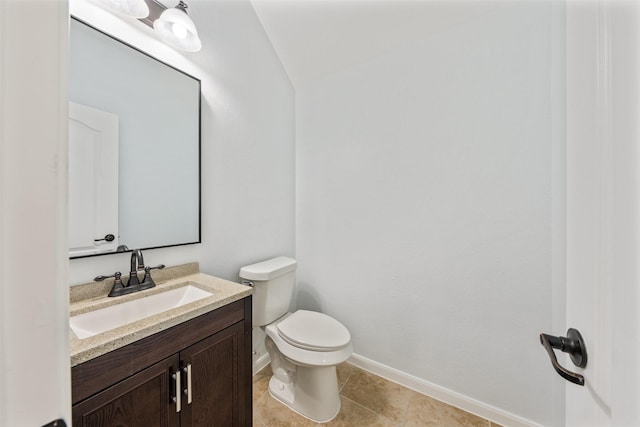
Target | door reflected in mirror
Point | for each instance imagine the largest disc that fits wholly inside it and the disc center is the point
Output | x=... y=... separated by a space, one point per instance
x=134 y=148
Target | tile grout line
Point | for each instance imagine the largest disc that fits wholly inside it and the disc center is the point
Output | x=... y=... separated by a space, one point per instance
x=368 y=409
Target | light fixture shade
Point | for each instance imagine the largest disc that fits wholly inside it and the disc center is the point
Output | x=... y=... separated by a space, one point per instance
x=134 y=8
x=177 y=29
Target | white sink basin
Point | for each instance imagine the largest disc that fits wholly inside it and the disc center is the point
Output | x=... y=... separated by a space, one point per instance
x=94 y=322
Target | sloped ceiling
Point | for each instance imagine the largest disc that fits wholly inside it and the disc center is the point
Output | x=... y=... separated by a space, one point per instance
x=316 y=37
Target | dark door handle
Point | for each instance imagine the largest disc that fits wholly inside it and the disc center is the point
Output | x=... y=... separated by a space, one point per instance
x=108 y=238
x=572 y=344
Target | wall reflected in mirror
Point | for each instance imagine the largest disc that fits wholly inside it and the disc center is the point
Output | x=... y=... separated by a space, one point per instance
x=134 y=148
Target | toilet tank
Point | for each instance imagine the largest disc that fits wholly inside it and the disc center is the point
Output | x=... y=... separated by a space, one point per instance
x=273 y=281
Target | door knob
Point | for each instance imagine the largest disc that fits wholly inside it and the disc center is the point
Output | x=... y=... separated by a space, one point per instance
x=572 y=344
x=108 y=238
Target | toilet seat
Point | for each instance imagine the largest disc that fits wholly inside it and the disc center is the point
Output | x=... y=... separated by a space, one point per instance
x=304 y=356
x=314 y=331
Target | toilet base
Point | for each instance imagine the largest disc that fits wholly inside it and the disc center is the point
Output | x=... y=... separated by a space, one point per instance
x=314 y=393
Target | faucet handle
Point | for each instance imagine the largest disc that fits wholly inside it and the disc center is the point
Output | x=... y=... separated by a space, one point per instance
x=117 y=288
x=117 y=275
x=147 y=274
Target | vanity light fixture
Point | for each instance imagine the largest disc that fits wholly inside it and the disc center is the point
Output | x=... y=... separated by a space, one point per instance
x=172 y=24
x=134 y=8
x=177 y=29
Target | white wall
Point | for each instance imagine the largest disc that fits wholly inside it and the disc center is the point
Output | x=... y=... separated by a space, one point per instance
x=34 y=353
x=248 y=137
x=425 y=222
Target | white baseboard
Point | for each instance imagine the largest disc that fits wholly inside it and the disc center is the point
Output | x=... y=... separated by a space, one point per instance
x=442 y=394
x=429 y=389
x=261 y=362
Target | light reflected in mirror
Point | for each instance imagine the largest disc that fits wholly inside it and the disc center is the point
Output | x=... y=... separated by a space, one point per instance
x=134 y=148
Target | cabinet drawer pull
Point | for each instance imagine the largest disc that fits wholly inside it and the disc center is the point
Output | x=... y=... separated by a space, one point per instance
x=178 y=396
x=187 y=391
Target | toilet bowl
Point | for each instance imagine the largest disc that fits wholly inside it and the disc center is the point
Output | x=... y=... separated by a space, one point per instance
x=304 y=346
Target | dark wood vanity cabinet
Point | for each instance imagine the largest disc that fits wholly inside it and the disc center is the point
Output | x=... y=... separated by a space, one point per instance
x=135 y=385
x=140 y=400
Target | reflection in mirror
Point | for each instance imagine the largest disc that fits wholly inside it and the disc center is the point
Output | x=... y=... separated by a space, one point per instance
x=134 y=148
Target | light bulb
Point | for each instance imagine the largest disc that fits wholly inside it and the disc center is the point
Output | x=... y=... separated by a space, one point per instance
x=179 y=31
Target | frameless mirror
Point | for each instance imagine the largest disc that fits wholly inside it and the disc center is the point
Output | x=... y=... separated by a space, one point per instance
x=134 y=148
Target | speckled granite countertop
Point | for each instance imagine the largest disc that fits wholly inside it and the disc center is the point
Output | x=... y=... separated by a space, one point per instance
x=93 y=296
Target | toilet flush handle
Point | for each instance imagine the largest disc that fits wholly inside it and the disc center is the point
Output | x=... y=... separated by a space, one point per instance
x=248 y=283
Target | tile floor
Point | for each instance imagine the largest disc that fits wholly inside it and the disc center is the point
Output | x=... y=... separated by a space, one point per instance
x=367 y=400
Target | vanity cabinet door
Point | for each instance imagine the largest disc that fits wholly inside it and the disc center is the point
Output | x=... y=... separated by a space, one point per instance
x=217 y=380
x=143 y=399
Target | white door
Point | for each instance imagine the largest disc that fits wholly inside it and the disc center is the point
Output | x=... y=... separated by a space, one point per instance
x=35 y=384
x=603 y=195
x=93 y=180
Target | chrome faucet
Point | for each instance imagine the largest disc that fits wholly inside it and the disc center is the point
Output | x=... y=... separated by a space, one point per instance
x=133 y=284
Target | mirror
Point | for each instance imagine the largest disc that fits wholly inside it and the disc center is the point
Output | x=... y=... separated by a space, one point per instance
x=134 y=148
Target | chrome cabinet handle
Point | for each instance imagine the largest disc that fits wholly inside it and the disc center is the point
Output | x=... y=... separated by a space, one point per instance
x=572 y=344
x=187 y=391
x=178 y=396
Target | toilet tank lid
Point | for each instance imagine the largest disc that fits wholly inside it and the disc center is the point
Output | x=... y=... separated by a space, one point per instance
x=269 y=269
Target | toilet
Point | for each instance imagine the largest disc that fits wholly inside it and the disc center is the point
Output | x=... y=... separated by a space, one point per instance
x=304 y=346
